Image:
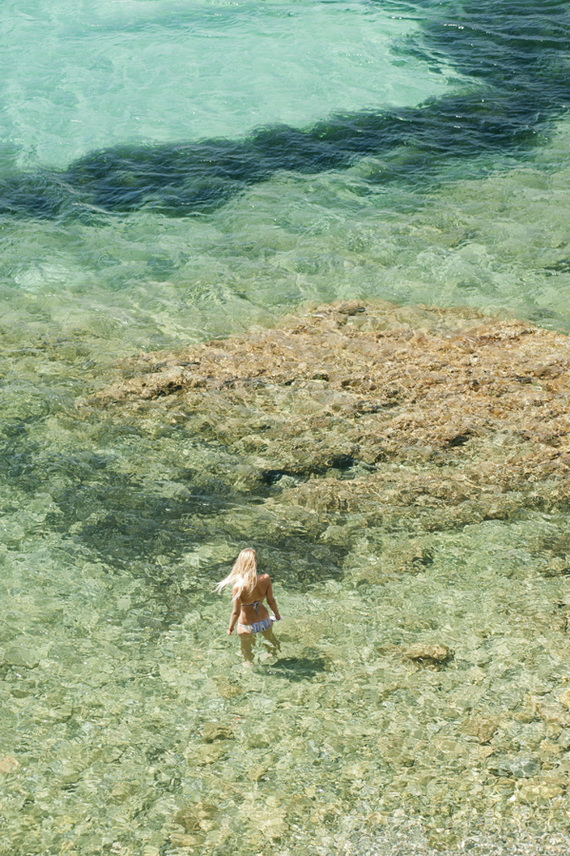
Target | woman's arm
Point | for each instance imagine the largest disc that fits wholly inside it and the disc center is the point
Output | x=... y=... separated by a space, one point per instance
x=235 y=615
x=272 y=602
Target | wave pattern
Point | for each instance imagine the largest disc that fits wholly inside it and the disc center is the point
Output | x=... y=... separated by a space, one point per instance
x=514 y=52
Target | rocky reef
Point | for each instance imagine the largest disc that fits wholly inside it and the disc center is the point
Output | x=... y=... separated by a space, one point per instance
x=426 y=418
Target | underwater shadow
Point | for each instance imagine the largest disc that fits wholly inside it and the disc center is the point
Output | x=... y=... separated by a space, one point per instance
x=298 y=668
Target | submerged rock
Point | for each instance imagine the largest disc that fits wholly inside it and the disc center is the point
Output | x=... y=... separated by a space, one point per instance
x=425 y=653
x=408 y=416
x=214 y=731
x=8 y=764
x=518 y=767
x=480 y=727
x=22 y=656
x=192 y=817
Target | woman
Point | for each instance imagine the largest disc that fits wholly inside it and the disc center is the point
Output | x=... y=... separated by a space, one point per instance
x=249 y=613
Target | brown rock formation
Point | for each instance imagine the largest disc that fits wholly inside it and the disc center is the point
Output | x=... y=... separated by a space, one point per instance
x=441 y=416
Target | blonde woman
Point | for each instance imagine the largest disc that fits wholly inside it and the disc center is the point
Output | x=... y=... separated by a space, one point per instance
x=249 y=590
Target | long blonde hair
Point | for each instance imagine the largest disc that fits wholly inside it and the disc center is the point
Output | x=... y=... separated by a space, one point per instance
x=243 y=575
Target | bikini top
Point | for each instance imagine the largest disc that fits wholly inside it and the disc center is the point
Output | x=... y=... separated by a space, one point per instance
x=255 y=604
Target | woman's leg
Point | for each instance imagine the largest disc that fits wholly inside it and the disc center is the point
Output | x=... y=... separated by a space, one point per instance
x=274 y=644
x=246 y=640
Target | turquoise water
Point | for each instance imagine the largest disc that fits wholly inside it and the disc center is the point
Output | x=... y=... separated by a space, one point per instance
x=116 y=73
x=114 y=658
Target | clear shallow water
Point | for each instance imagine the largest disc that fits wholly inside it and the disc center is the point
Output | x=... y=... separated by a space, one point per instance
x=112 y=72
x=115 y=663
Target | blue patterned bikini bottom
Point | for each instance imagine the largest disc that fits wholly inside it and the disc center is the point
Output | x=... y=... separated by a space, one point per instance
x=258 y=626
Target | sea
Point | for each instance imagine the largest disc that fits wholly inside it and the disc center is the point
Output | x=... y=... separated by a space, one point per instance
x=176 y=171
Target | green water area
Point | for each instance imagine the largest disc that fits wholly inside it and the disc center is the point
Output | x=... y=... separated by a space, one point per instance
x=403 y=474
x=128 y=723
x=339 y=342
